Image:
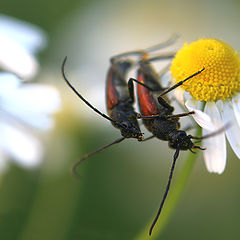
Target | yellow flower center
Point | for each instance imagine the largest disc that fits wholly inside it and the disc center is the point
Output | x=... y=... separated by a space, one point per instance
x=221 y=77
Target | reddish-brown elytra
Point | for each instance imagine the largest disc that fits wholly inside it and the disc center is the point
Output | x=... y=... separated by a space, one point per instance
x=120 y=100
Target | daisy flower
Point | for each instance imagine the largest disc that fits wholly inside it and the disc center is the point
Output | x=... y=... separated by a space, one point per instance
x=214 y=95
x=24 y=107
x=19 y=42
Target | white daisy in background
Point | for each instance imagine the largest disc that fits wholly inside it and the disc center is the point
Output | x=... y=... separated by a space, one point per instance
x=19 y=41
x=24 y=107
x=214 y=94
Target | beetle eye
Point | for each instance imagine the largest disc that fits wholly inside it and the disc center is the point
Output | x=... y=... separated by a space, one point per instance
x=182 y=134
x=125 y=124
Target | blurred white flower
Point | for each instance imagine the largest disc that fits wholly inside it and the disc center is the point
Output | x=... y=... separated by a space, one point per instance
x=23 y=106
x=19 y=41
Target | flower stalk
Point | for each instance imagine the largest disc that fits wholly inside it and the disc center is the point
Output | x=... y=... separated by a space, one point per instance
x=172 y=199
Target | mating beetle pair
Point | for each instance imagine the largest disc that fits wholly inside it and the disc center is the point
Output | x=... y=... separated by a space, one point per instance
x=156 y=112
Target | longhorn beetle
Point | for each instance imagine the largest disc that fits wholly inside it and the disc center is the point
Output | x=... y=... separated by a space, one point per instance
x=158 y=118
x=119 y=97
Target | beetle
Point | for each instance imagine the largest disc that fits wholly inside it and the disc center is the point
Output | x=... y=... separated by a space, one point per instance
x=119 y=101
x=119 y=96
x=158 y=117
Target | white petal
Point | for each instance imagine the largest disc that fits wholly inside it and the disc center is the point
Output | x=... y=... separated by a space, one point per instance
x=214 y=113
x=236 y=107
x=25 y=34
x=38 y=97
x=179 y=94
x=165 y=76
x=200 y=117
x=215 y=154
x=15 y=58
x=188 y=96
x=20 y=145
x=8 y=82
x=32 y=104
x=233 y=132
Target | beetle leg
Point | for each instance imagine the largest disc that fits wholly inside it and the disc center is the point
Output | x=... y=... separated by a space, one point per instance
x=166 y=117
x=180 y=115
x=148 y=138
x=135 y=80
x=164 y=103
x=159 y=46
x=131 y=90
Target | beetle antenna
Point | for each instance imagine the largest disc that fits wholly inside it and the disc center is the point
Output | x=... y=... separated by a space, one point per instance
x=176 y=154
x=82 y=98
x=181 y=82
x=215 y=133
x=77 y=163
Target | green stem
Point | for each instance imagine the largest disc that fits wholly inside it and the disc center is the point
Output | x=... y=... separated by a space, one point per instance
x=172 y=199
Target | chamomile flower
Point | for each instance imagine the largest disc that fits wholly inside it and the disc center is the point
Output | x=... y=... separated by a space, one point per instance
x=214 y=94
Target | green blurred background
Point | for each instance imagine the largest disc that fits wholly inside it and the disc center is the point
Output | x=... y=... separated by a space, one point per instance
x=120 y=188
